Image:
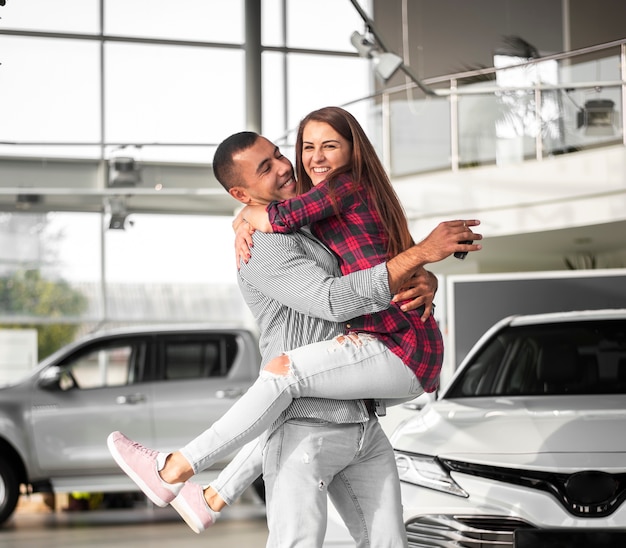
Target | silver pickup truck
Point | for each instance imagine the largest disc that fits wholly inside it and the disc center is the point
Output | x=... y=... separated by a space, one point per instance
x=159 y=385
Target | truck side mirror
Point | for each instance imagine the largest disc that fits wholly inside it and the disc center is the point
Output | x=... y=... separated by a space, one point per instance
x=50 y=378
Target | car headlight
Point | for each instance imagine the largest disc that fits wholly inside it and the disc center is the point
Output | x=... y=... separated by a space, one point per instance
x=427 y=472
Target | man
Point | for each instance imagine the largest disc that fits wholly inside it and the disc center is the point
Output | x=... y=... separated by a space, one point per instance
x=318 y=447
x=294 y=304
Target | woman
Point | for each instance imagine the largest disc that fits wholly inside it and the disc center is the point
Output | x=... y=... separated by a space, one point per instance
x=347 y=198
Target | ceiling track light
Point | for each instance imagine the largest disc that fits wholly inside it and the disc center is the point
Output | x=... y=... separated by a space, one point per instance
x=116 y=208
x=385 y=63
x=124 y=169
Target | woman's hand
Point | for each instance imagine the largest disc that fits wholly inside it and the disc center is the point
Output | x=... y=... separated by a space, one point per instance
x=419 y=291
x=243 y=239
x=256 y=216
x=249 y=219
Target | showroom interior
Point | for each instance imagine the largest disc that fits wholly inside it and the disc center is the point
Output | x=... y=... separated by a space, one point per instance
x=507 y=111
x=103 y=84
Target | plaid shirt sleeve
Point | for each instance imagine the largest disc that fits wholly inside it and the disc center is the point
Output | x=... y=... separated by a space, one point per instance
x=313 y=206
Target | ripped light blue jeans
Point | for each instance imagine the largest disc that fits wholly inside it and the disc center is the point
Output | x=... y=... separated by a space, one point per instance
x=348 y=367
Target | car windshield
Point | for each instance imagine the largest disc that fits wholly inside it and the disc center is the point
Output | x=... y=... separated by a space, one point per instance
x=587 y=357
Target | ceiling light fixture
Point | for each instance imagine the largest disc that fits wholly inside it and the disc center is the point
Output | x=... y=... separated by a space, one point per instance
x=385 y=63
x=116 y=208
x=124 y=169
x=384 y=60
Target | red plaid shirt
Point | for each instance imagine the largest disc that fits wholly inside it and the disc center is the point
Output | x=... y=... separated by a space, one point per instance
x=357 y=237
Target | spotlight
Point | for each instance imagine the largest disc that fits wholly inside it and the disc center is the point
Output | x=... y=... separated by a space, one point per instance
x=362 y=44
x=117 y=222
x=385 y=63
x=124 y=171
x=118 y=214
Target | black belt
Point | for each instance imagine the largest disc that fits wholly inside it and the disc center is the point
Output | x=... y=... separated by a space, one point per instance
x=377 y=407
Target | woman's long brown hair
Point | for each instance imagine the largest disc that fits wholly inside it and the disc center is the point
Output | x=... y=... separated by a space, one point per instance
x=367 y=172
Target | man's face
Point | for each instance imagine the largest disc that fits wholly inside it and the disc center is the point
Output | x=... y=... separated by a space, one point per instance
x=265 y=173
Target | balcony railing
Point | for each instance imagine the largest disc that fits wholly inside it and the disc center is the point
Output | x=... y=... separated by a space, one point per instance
x=518 y=110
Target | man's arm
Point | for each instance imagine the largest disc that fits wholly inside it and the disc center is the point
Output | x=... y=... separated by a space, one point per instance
x=311 y=282
x=419 y=291
x=280 y=269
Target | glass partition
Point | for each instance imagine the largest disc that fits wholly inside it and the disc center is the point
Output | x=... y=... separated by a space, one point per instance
x=478 y=116
x=517 y=111
x=65 y=274
x=421 y=138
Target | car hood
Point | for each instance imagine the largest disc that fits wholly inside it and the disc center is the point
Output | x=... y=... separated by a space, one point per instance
x=565 y=432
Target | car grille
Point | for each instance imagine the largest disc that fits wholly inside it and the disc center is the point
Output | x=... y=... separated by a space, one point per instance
x=588 y=493
x=444 y=531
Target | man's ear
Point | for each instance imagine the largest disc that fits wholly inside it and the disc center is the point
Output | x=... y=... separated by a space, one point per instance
x=240 y=194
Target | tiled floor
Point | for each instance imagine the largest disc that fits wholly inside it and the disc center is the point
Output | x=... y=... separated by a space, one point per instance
x=35 y=526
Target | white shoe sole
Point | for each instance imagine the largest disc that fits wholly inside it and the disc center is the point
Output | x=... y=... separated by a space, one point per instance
x=181 y=506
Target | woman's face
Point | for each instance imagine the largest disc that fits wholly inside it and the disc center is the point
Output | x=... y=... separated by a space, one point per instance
x=323 y=151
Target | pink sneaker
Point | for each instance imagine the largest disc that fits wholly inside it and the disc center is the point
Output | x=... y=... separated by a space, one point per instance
x=193 y=508
x=140 y=464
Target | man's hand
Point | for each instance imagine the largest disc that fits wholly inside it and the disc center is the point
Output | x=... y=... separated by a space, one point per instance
x=419 y=290
x=442 y=242
x=445 y=240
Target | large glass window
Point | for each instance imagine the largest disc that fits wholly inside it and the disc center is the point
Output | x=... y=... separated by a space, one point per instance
x=143 y=81
x=61 y=15
x=165 y=82
x=50 y=90
x=171 y=94
x=182 y=249
x=274 y=98
x=308 y=92
x=323 y=24
x=201 y=20
x=272 y=23
x=319 y=25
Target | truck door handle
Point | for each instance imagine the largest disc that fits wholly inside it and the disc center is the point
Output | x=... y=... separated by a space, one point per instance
x=130 y=399
x=229 y=393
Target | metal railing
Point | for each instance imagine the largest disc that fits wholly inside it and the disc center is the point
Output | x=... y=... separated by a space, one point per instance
x=518 y=110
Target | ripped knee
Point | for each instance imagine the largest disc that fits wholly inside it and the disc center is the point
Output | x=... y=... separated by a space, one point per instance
x=350 y=337
x=280 y=365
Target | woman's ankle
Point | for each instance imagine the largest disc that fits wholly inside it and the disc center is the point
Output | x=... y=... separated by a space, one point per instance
x=213 y=499
x=177 y=469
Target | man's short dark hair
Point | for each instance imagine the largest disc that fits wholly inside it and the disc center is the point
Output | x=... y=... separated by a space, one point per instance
x=223 y=165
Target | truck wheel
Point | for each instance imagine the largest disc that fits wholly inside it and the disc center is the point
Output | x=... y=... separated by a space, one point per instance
x=9 y=490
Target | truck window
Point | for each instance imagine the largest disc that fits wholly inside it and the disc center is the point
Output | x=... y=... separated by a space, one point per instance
x=103 y=365
x=200 y=357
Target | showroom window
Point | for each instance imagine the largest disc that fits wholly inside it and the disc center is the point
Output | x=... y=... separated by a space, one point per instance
x=85 y=81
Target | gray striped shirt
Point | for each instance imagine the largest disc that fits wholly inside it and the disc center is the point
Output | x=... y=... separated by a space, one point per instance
x=295 y=290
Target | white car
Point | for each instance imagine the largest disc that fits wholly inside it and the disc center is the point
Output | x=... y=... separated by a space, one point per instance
x=526 y=446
